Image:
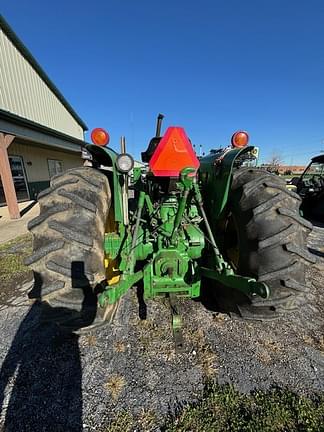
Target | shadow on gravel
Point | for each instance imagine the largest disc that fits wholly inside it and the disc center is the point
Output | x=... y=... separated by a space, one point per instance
x=217 y=298
x=142 y=308
x=41 y=376
x=27 y=208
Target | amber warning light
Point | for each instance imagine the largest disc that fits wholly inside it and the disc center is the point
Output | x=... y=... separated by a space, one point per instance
x=100 y=137
x=240 y=139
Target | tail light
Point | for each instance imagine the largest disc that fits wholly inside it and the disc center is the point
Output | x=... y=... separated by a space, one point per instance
x=100 y=137
x=240 y=139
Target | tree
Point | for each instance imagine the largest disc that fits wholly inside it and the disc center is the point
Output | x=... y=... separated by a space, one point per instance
x=274 y=162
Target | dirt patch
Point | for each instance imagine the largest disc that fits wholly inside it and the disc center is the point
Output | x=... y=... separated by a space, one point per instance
x=130 y=369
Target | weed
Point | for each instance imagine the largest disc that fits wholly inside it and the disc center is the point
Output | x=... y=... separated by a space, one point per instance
x=119 y=347
x=91 y=340
x=225 y=409
x=205 y=355
x=147 y=420
x=115 y=385
x=316 y=342
x=12 y=255
x=124 y=422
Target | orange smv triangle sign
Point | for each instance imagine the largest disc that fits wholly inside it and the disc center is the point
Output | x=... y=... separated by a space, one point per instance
x=173 y=153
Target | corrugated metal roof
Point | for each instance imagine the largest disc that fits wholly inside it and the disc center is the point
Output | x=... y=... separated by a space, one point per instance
x=35 y=65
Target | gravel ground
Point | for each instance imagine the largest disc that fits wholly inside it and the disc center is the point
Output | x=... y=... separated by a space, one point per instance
x=55 y=382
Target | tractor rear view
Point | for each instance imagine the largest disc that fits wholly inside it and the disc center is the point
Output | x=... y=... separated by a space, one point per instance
x=191 y=222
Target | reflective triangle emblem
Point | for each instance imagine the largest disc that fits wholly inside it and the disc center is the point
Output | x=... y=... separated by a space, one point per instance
x=173 y=153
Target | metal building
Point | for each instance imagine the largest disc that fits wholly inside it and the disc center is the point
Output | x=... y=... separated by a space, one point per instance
x=40 y=133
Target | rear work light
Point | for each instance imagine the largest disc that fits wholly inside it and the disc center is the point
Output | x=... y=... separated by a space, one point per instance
x=124 y=163
x=240 y=139
x=100 y=137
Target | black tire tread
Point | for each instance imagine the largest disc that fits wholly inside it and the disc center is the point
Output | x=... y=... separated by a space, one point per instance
x=70 y=229
x=273 y=240
x=51 y=189
x=44 y=251
x=296 y=217
x=78 y=200
x=276 y=238
x=71 y=234
x=261 y=208
x=282 y=187
x=46 y=214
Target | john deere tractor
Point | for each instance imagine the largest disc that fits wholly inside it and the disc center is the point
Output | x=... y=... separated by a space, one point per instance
x=172 y=226
x=310 y=187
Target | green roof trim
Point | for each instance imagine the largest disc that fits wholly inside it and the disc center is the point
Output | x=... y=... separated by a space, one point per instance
x=35 y=65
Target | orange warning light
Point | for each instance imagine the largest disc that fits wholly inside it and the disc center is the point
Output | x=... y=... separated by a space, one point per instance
x=173 y=153
x=240 y=139
x=100 y=137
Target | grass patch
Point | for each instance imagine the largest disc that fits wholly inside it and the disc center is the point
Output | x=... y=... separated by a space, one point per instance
x=12 y=255
x=225 y=409
x=126 y=422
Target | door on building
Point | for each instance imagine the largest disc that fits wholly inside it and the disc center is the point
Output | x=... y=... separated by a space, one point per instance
x=19 y=178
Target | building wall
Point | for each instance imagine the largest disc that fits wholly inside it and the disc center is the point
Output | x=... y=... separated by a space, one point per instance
x=295 y=169
x=281 y=169
x=24 y=93
x=37 y=172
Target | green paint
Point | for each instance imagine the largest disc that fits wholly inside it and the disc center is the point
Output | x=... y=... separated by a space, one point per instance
x=165 y=238
x=137 y=174
x=216 y=176
x=114 y=292
x=170 y=252
x=107 y=157
x=244 y=284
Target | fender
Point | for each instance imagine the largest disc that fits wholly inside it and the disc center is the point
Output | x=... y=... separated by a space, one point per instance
x=107 y=157
x=216 y=175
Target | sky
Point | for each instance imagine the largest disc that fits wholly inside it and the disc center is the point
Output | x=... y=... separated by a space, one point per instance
x=211 y=66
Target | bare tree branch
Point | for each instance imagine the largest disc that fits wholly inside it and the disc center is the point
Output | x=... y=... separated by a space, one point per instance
x=274 y=162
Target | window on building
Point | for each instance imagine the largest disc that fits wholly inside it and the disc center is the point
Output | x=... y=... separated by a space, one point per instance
x=54 y=167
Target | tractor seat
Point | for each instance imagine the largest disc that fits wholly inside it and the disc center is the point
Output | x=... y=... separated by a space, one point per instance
x=146 y=156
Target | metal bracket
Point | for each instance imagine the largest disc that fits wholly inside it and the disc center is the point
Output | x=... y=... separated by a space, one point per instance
x=247 y=285
x=176 y=325
x=113 y=293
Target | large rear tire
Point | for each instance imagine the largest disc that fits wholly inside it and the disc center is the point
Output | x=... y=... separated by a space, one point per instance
x=68 y=253
x=263 y=224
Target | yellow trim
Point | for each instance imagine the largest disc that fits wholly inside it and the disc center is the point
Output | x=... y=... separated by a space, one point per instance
x=111 y=266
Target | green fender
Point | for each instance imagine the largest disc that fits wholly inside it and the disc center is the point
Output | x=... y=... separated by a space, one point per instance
x=107 y=157
x=215 y=176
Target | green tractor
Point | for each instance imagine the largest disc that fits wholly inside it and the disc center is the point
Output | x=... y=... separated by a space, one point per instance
x=176 y=226
x=310 y=187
